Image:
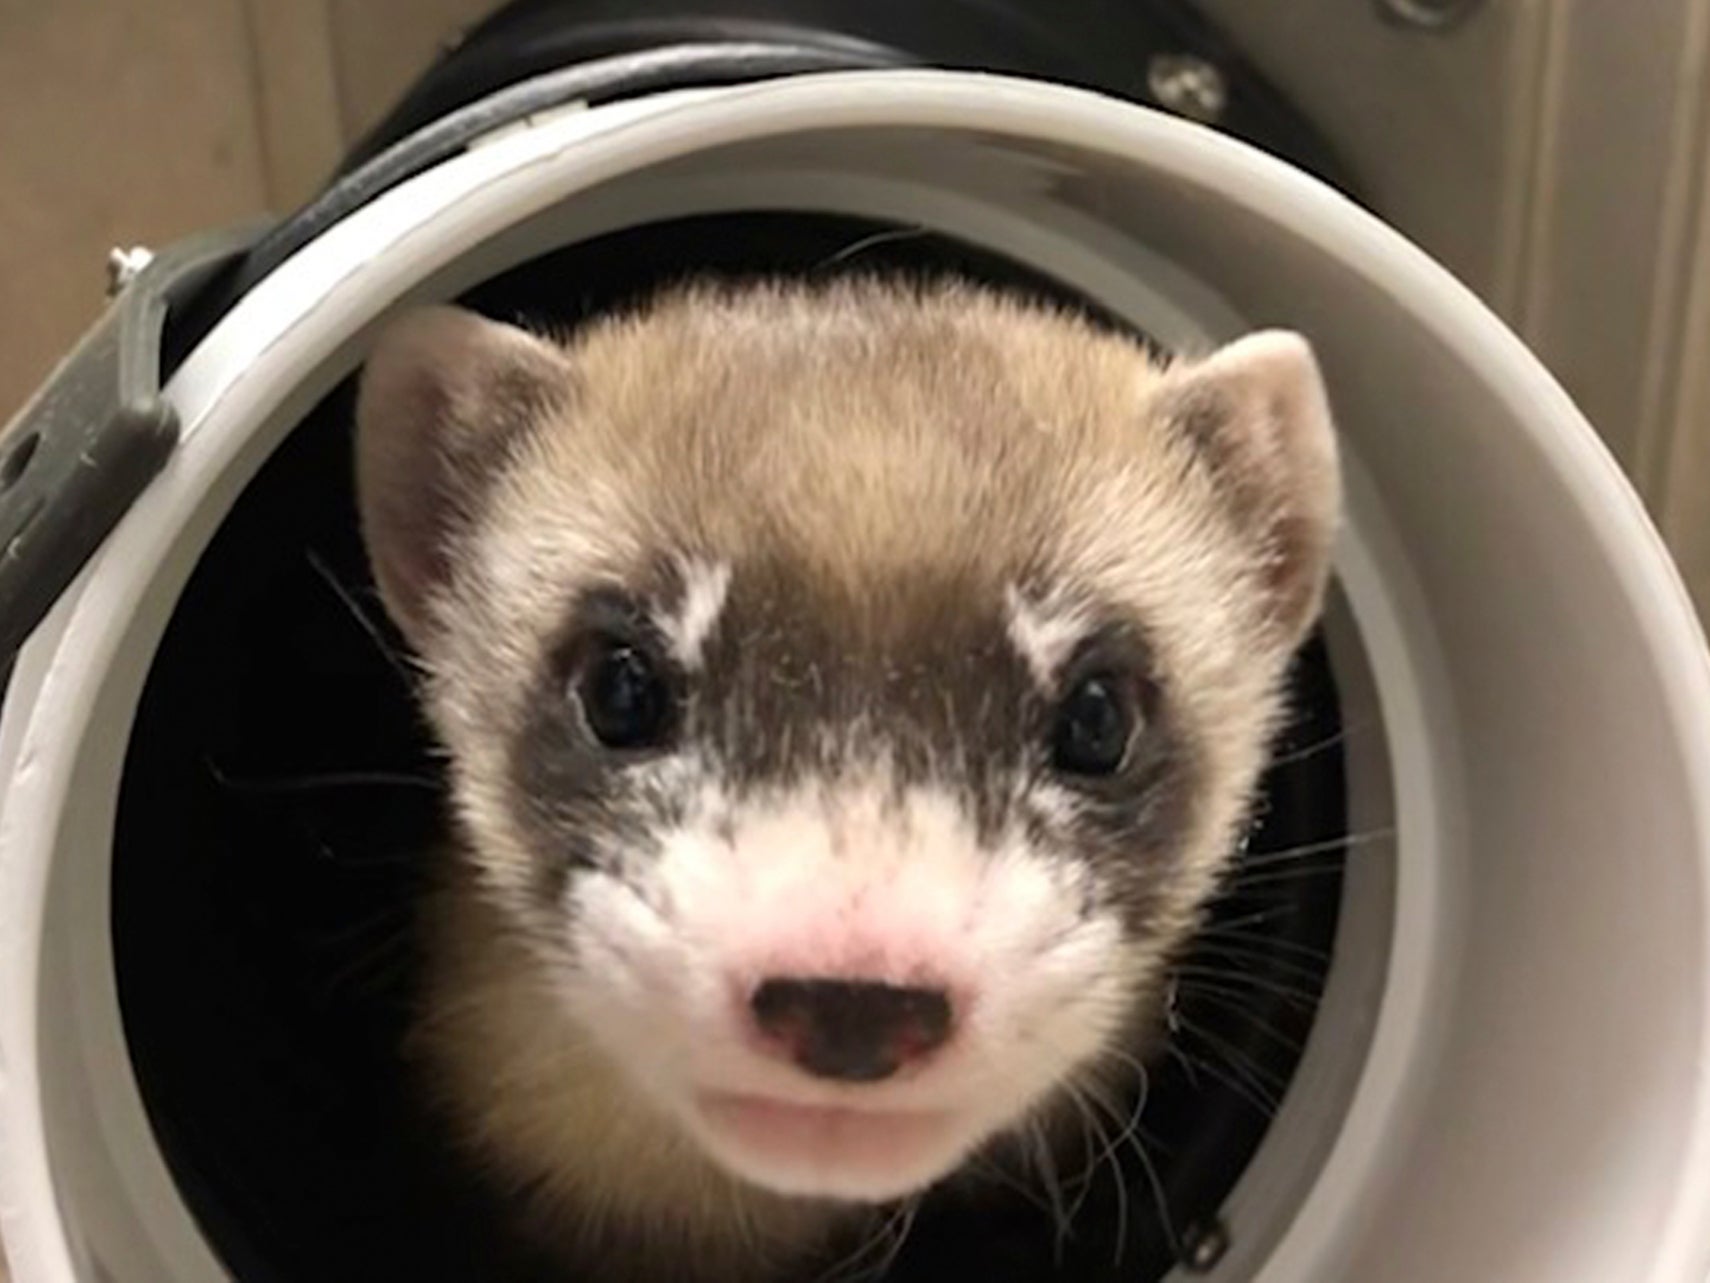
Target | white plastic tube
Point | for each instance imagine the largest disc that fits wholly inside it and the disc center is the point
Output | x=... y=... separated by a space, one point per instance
x=1511 y=1077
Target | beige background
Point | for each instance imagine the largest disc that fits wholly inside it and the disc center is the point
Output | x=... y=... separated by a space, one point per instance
x=1552 y=152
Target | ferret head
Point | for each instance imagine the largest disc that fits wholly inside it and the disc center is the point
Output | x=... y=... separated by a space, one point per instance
x=853 y=694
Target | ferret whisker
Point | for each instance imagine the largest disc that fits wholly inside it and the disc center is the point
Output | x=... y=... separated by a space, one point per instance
x=1196 y=970
x=1045 y=1164
x=1160 y=1202
x=312 y=782
x=1195 y=977
x=1098 y=1108
x=993 y=1170
x=353 y=932
x=1349 y=731
x=376 y=949
x=362 y=618
x=847 y=1267
x=1244 y=1013
x=1264 y=945
x=1127 y=1136
x=1174 y=1051
x=1300 y=963
x=1347 y=842
x=1033 y=1147
x=886 y=1239
x=1093 y=1140
x=851 y=1269
x=1201 y=989
x=1241 y=883
x=1118 y=1176
x=1254 y=919
x=1308 y=751
x=1240 y=1062
x=386 y=961
x=900 y=1235
x=1280 y=898
x=1254 y=1101
x=1211 y=950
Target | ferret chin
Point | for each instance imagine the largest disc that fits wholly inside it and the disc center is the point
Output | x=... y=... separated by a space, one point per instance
x=852 y=694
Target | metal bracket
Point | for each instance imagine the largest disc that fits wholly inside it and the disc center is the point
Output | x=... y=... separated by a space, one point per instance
x=78 y=454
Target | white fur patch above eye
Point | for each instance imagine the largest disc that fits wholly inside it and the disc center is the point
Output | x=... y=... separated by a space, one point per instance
x=1057 y=807
x=1044 y=634
x=705 y=585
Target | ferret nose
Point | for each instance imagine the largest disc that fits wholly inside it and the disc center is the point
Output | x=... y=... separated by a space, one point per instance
x=857 y=1031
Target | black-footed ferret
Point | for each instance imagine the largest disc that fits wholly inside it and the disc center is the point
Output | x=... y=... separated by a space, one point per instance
x=853 y=696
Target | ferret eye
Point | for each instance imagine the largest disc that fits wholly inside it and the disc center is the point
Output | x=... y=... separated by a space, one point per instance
x=625 y=697
x=1094 y=727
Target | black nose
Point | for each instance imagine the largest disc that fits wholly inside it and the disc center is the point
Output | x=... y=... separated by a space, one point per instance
x=853 y=1030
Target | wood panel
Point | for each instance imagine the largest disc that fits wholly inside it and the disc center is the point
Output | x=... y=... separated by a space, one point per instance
x=120 y=121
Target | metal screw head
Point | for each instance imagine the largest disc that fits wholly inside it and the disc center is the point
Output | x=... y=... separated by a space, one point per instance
x=1189 y=86
x=453 y=42
x=1432 y=15
x=124 y=265
x=1204 y=1246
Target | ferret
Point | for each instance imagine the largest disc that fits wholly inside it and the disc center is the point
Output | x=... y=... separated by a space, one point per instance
x=853 y=694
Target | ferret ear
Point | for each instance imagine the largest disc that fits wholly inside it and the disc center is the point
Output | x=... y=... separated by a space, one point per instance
x=443 y=397
x=1258 y=412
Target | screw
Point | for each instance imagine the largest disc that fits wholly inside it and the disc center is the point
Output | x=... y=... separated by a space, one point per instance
x=124 y=265
x=1204 y=1246
x=1432 y=15
x=1189 y=86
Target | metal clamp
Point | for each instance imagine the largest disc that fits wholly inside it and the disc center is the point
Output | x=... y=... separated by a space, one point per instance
x=78 y=454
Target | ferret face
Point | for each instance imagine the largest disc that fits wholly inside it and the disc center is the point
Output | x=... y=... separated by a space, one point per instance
x=853 y=695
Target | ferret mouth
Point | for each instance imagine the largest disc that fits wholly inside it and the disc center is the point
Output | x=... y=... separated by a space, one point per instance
x=829 y=1151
